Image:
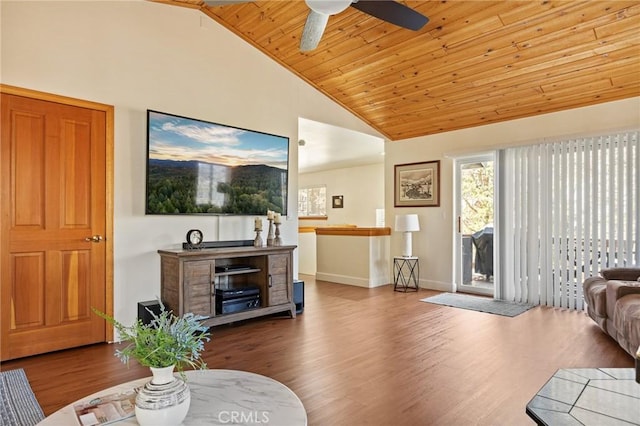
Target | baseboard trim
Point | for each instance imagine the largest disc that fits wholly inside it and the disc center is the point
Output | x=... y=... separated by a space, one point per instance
x=345 y=279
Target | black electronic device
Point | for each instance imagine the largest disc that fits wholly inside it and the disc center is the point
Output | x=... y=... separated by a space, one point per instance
x=220 y=244
x=237 y=304
x=234 y=293
x=231 y=268
x=238 y=299
x=298 y=295
x=238 y=180
x=145 y=310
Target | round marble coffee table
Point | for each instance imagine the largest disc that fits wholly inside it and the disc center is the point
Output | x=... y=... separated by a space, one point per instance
x=218 y=397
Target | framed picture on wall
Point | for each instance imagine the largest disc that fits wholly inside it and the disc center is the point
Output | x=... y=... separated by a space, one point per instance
x=417 y=184
x=337 y=201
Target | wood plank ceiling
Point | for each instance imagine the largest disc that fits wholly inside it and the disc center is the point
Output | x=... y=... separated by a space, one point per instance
x=474 y=63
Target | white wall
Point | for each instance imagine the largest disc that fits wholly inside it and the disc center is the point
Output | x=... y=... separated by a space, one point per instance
x=139 y=55
x=434 y=243
x=363 y=191
x=307 y=252
x=362 y=188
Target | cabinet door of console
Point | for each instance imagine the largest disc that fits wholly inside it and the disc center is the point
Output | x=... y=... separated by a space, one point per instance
x=198 y=276
x=278 y=286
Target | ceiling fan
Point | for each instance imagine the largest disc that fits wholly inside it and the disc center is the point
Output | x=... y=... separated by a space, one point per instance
x=320 y=10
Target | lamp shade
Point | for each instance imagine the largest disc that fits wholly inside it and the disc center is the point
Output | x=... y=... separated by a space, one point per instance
x=407 y=223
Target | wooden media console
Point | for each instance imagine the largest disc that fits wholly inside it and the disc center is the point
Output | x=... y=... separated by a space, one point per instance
x=190 y=278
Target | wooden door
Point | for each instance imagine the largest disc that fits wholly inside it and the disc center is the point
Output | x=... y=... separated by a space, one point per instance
x=53 y=210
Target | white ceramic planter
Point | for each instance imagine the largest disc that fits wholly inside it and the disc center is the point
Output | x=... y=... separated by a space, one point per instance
x=164 y=401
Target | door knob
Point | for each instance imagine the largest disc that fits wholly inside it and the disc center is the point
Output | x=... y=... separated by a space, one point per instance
x=94 y=238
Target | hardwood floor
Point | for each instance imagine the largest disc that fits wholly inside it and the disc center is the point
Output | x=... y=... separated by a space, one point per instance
x=361 y=356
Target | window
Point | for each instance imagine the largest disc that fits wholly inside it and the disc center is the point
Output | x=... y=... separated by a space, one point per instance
x=312 y=201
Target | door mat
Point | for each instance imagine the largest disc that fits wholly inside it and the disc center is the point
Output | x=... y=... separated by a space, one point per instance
x=18 y=404
x=481 y=304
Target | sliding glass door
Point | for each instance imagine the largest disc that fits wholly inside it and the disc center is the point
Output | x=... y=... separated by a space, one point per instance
x=475 y=233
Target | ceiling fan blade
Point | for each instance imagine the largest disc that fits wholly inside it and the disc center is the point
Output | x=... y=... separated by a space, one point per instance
x=313 y=30
x=393 y=12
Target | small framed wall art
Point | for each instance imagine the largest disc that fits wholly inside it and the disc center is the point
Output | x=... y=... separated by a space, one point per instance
x=417 y=184
x=337 y=201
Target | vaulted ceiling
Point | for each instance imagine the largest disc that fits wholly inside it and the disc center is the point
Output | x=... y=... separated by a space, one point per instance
x=474 y=63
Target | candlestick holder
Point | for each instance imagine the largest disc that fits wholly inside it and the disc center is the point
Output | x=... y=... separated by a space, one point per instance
x=270 y=234
x=277 y=241
x=257 y=242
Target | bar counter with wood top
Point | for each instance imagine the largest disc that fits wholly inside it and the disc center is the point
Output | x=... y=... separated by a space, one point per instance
x=352 y=255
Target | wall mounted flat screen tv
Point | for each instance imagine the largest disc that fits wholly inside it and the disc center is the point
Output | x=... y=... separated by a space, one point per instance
x=199 y=167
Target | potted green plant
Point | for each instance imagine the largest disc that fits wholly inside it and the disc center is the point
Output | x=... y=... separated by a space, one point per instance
x=167 y=342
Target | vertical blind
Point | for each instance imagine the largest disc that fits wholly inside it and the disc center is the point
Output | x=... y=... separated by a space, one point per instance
x=569 y=209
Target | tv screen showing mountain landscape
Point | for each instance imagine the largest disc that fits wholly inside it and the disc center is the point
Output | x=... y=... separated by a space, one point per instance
x=199 y=167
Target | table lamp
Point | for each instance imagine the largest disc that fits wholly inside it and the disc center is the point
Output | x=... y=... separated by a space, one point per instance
x=407 y=223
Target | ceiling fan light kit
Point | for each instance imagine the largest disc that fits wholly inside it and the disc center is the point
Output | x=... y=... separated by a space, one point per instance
x=328 y=7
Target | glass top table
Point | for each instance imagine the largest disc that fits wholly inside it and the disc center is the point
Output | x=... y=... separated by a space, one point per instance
x=218 y=397
x=588 y=396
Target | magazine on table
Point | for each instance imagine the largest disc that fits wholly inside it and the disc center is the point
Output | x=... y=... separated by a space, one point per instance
x=106 y=409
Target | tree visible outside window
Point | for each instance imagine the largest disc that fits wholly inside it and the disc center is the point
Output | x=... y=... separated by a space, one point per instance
x=312 y=201
x=477 y=197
